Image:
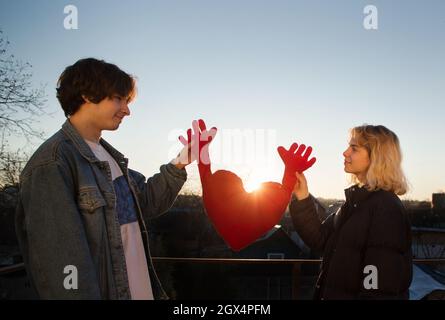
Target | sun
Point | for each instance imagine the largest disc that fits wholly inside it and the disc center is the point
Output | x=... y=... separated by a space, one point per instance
x=253 y=181
x=253 y=185
x=257 y=174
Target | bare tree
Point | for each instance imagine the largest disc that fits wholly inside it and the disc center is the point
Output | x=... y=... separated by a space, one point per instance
x=11 y=164
x=19 y=103
x=20 y=108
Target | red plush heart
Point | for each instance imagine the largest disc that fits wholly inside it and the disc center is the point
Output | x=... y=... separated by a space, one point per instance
x=238 y=216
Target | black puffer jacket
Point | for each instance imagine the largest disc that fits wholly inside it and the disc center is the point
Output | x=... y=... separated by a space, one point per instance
x=371 y=228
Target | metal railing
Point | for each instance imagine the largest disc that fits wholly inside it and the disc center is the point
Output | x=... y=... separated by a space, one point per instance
x=20 y=266
x=295 y=263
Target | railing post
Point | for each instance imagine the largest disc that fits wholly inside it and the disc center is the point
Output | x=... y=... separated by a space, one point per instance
x=296 y=272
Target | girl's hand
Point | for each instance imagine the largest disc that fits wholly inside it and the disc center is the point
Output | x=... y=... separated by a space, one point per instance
x=301 y=190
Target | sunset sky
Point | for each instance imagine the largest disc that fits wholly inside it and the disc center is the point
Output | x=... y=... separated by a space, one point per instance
x=266 y=73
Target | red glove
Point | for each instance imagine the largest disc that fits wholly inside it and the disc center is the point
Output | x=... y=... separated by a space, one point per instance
x=294 y=160
x=198 y=143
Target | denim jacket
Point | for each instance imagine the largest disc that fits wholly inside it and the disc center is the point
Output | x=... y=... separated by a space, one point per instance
x=66 y=216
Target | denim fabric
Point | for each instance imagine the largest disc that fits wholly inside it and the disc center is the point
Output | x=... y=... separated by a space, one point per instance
x=67 y=215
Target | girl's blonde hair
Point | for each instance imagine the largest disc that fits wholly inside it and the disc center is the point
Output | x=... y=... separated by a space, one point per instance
x=385 y=169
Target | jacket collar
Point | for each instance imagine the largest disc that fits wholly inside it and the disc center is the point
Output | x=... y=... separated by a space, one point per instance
x=119 y=157
x=71 y=132
x=357 y=194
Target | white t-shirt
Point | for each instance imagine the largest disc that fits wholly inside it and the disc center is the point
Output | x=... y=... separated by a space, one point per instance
x=137 y=269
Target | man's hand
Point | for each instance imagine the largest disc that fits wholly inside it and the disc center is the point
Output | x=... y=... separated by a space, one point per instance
x=196 y=145
x=183 y=158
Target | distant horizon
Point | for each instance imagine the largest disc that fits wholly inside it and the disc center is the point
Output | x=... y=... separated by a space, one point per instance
x=187 y=193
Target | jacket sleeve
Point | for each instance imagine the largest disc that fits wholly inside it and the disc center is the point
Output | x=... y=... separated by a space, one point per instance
x=52 y=236
x=388 y=249
x=157 y=194
x=308 y=223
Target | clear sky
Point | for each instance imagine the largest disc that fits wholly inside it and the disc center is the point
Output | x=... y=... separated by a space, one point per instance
x=304 y=71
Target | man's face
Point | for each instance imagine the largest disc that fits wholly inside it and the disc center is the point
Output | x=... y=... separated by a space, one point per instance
x=108 y=114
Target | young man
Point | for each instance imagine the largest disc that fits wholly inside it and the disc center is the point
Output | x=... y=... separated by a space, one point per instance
x=82 y=214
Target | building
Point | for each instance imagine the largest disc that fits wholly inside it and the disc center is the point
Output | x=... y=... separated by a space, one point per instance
x=426 y=284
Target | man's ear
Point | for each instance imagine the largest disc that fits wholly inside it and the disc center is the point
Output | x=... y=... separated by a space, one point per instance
x=86 y=99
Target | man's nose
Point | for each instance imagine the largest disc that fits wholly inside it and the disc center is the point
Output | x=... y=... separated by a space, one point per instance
x=346 y=153
x=125 y=109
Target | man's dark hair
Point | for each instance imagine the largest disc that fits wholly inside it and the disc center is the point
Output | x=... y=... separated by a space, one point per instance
x=95 y=80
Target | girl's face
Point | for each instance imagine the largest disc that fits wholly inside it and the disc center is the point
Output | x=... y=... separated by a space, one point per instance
x=356 y=160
